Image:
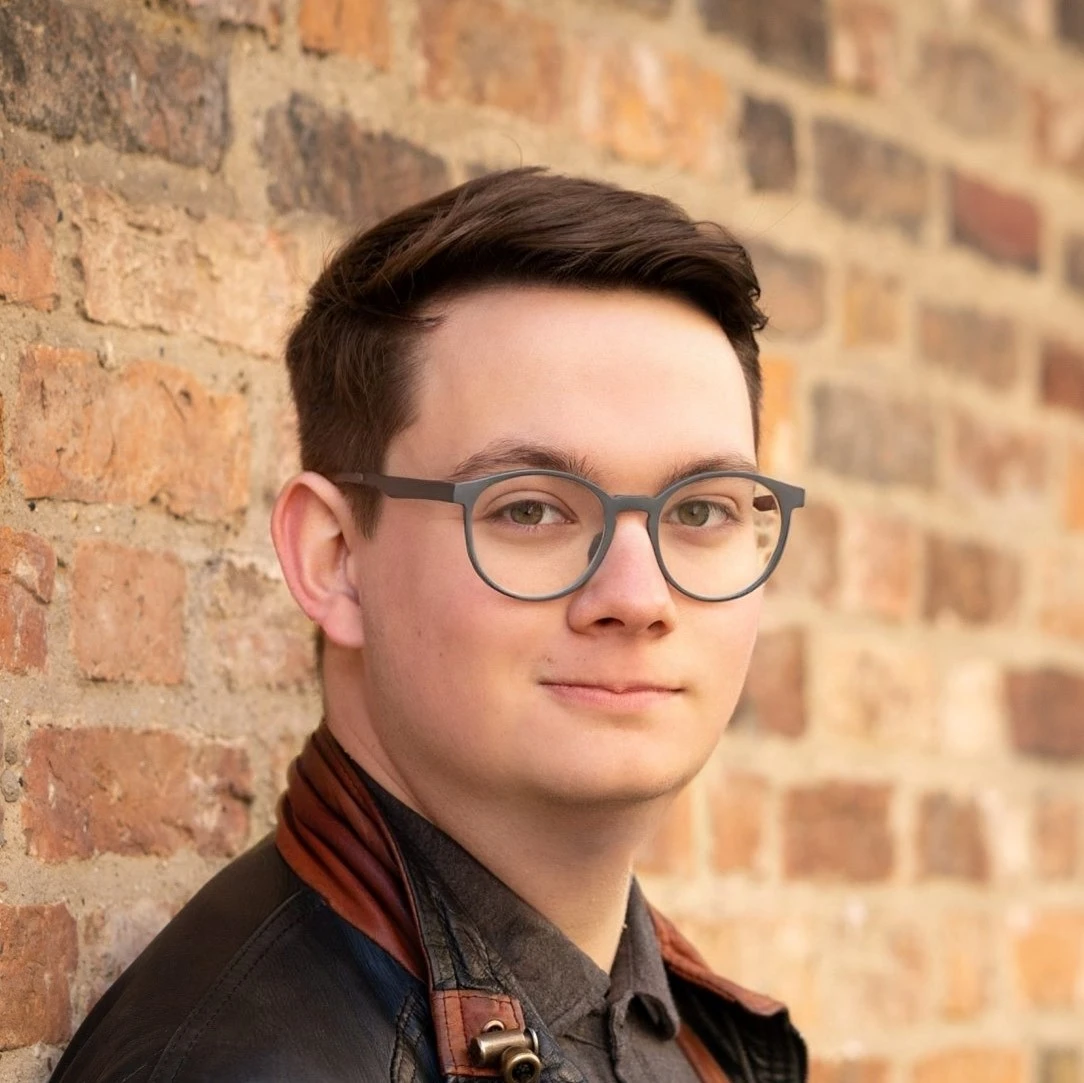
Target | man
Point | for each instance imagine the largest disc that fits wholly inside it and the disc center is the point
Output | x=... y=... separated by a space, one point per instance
x=520 y=669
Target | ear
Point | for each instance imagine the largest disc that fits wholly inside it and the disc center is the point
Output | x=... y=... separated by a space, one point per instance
x=315 y=536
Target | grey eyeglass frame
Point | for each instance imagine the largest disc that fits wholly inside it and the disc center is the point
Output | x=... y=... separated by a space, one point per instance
x=466 y=493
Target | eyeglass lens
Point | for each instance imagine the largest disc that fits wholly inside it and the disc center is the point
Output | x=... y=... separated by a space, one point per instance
x=534 y=535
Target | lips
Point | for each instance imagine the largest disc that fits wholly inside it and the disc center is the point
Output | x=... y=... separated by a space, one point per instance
x=616 y=687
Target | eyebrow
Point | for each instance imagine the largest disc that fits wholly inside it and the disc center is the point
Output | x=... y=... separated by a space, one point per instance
x=512 y=455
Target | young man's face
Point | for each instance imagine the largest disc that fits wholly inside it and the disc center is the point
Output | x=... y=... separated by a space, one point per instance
x=619 y=691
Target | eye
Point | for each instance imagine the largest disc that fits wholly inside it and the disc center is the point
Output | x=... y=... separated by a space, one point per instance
x=530 y=513
x=702 y=513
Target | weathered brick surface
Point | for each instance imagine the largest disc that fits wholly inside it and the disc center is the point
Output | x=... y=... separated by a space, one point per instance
x=968 y=87
x=970 y=343
x=128 y=613
x=773 y=700
x=326 y=162
x=27 y=575
x=738 y=815
x=1057 y=836
x=143 y=433
x=1058 y=121
x=1003 y=226
x=356 y=28
x=848 y=1071
x=92 y=791
x=970 y=581
x=967 y=1065
x=37 y=961
x=232 y=282
x=1003 y=467
x=952 y=838
x=486 y=53
x=669 y=852
x=838 y=830
x=872 y=308
x=865 y=45
x=1062 y=375
x=791 y=33
x=875 y=437
x=767 y=130
x=810 y=566
x=1070 y=21
x=70 y=71
x=1049 y=957
x=1074 y=262
x=792 y=289
x=778 y=449
x=1074 y=488
x=1061 y=592
x=967 y=968
x=879 y=570
x=1046 y=712
x=265 y=15
x=28 y=214
x=1060 y=1065
x=869 y=179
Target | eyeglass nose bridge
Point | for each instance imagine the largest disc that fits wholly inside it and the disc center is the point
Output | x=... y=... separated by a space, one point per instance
x=612 y=507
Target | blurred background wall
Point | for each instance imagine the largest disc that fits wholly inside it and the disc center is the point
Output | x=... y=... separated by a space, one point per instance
x=891 y=837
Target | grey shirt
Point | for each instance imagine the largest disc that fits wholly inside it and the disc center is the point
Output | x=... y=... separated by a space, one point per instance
x=617 y=1027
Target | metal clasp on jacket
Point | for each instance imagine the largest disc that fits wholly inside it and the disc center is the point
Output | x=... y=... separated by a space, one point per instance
x=515 y=1052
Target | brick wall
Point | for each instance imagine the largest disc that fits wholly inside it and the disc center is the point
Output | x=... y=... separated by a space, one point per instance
x=892 y=836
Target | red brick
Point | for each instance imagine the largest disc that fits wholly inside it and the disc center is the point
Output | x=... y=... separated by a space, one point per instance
x=793 y=290
x=120 y=791
x=328 y=163
x=971 y=344
x=869 y=179
x=649 y=105
x=128 y=614
x=967 y=966
x=144 y=433
x=1046 y=712
x=265 y=15
x=848 y=1071
x=1061 y=586
x=1003 y=468
x=838 y=831
x=767 y=133
x=1074 y=488
x=773 y=700
x=653 y=8
x=1058 y=127
x=1056 y=836
x=778 y=449
x=968 y=88
x=951 y=838
x=1070 y=22
x=877 y=437
x=232 y=282
x=352 y=27
x=484 y=53
x=865 y=46
x=70 y=71
x=1049 y=957
x=970 y=582
x=38 y=955
x=27 y=574
x=28 y=215
x=872 y=308
x=1062 y=375
x=257 y=635
x=810 y=563
x=792 y=34
x=1000 y=225
x=738 y=810
x=879 y=569
x=969 y=1065
x=670 y=850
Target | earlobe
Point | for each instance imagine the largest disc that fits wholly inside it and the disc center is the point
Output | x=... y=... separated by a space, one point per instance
x=313 y=530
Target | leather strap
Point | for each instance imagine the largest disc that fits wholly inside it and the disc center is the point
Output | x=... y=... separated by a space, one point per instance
x=700 y=1060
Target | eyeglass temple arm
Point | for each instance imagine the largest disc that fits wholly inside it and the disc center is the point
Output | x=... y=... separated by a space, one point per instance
x=406 y=488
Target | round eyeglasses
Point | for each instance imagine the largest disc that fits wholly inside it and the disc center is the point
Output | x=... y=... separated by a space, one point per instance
x=536 y=535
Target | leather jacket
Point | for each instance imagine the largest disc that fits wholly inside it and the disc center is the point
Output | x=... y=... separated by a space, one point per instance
x=319 y=955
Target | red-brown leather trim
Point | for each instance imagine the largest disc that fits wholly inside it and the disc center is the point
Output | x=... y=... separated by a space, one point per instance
x=460 y=1014
x=700 y=1060
x=332 y=835
x=685 y=961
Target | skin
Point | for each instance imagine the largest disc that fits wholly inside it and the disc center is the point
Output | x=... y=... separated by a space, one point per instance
x=548 y=738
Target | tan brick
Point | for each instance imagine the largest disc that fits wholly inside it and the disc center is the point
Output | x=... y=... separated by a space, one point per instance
x=117 y=791
x=1056 y=838
x=257 y=635
x=969 y=1065
x=1061 y=603
x=810 y=563
x=38 y=955
x=865 y=46
x=352 y=27
x=1004 y=469
x=1069 y=22
x=1049 y=959
x=838 y=830
x=792 y=34
x=951 y=839
x=265 y=15
x=778 y=450
x=1001 y=225
x=872 y=308
x=232 y=282
x=1060 y=1065
x=650 y=106
x=966 y=963
x=971 y=710
x=970 y=343
x=1074 y=262
x=141 y=434
x=1074 y=489
x=864 y=1070
x=970 y=582
x=27 y=575
x=793 y=289
x=1058 y=128
x=773 y=699
x=1033 y=17
x=128 y=613
x=484 y=53
x=1046 y=712
x=883 y=695
x=879 y=565
x=738 y=810
x=1062 y=375
x=968 y=87
x=28 y=214
x=670 y=850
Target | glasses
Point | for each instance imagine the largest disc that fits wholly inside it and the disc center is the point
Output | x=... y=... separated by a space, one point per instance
x=536 y=535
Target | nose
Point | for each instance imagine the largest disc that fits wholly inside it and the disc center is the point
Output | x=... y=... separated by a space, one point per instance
x=628 y=590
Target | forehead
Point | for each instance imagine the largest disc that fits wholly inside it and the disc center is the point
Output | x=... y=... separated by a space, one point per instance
x=629 y=382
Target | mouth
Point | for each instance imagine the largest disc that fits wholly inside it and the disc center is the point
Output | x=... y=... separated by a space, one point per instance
x=633 y=696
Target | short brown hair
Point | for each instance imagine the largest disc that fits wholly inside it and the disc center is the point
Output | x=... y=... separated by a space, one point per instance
x=352 y=355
